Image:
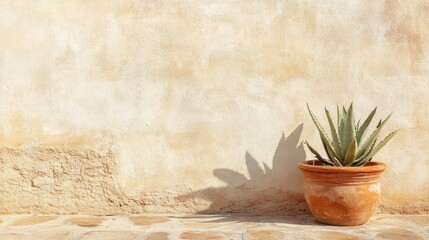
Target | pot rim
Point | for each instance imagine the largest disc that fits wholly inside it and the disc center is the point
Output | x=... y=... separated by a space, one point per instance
x=309 y=165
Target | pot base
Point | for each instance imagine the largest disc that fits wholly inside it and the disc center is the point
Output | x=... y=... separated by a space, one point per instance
x=342 y=205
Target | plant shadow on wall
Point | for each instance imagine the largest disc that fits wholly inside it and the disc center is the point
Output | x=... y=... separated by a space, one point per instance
x=273 y=191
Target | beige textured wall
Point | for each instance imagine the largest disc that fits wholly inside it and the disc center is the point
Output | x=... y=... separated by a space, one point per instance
x=184 y=106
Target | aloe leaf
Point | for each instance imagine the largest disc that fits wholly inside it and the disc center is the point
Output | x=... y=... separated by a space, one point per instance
x=318 y=156
x=357 y=126
x=325 y=138
x=336 y=162
x=362 y=130
x=363 y=160
x=349 y=129
x=335 y=141
x=338 y=116
x=381 y=145
x=360 y=159
x=326 y=149
x=340 y=124
x=373 y=135
x=361 y=163
x=367 y=151
x=331 y=155
x=351 y=153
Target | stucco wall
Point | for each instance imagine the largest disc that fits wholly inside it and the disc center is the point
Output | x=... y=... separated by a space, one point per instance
x=185 y=106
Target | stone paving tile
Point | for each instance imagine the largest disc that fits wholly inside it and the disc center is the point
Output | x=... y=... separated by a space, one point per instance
x=388 y=222
x=86 y=221
x=264 y=234
x=111 y=235
x=46 y=235
x=210 y=227
x=205 y=225
x=399 y=234
x=335 y=236
x=419 y=219
x=226 y=222
x=33 y=220
x=147 y=220
x=11 y=236
x=199 y=235
x=157 y=236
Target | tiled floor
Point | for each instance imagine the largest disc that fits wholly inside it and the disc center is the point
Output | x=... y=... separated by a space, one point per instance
x=210 y=227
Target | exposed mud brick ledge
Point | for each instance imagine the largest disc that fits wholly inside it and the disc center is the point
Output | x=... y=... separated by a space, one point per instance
x=57 y=180
x=83 y=180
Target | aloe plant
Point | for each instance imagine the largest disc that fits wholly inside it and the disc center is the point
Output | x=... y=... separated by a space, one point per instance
x=347 y=146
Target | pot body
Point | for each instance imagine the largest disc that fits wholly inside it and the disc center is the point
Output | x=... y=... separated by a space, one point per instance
x=345 y=196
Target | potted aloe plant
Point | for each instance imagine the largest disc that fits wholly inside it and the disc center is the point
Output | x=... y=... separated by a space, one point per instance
x=344 y=188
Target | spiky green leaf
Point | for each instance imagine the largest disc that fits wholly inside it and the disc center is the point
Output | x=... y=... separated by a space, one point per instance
x=336 y=162
x=340 y=124
x=332 y=156
x=349 y=129
x=360 y=160
x=322 y=133
x=351 y=153
x=363 y=129
x=361 y=163
x=338 y=116
x=365 y=153
x=318 y=156
x=357 y=126
x=381 y=145
x=335 y=141
x=373 y=136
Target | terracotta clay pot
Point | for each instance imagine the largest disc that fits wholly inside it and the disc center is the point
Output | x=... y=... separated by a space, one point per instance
x=345 y=196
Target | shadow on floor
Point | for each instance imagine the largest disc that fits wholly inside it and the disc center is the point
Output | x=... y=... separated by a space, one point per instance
x=276 y=190
x=299 y=220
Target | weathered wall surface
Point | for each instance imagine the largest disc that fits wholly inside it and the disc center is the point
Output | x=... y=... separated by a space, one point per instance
x=144 y=106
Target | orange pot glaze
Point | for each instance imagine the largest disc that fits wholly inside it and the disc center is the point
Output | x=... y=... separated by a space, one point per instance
x=345 y=196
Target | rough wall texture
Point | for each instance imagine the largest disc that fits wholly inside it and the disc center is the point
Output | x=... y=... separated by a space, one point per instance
x=143 y=106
